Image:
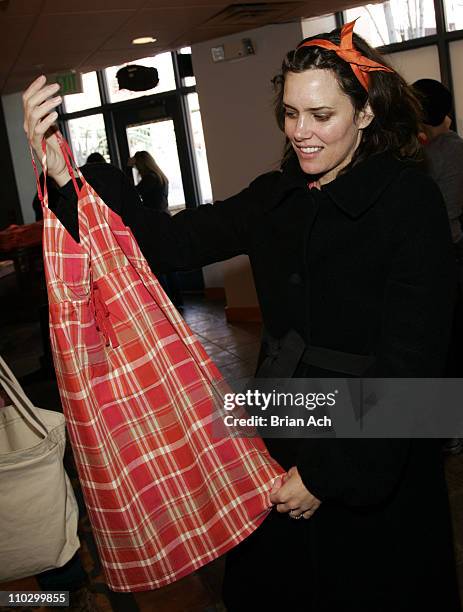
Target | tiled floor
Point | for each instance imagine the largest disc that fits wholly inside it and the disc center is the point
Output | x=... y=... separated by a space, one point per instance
x=234 y=348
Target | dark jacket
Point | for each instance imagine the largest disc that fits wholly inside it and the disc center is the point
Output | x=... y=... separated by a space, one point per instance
x=153 y=193
x=363 y=266
x=53 y=197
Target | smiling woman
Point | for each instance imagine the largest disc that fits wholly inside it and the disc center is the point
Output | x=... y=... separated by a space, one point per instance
x=328 y=91
x=356 y=278
x=320 y=122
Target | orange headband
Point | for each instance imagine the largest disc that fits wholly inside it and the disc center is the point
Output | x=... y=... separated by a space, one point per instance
x=360 y=64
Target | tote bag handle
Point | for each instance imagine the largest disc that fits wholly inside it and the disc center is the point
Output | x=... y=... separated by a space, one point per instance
x=20 y=401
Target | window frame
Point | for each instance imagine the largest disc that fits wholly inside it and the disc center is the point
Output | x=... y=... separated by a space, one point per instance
x=441 y=39
x=108 y=110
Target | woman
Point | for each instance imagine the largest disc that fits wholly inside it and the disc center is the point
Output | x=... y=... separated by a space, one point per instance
x=350 y=249
x=154 y=185
x=154 y=190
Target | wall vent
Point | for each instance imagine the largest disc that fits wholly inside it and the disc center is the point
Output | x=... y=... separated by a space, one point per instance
x=253 y=14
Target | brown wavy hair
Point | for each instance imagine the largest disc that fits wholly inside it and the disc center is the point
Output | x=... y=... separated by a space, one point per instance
x=397 y=111
x=146 y=164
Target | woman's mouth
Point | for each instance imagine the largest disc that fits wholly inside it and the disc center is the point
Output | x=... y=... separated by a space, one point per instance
x=309 y=151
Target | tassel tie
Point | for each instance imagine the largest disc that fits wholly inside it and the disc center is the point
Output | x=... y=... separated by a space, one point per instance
x=102 y=318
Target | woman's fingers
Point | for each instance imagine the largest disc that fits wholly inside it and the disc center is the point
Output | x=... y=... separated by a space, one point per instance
x=290 y=504
x=296 y=509
x=37 y=114
x=44 y=125
x=277 y=484
x=38 y=91
x=310 y=511
x=40 y=102
x=303 y=513
x=33 y=88
x=38 y=105
x=40 y=116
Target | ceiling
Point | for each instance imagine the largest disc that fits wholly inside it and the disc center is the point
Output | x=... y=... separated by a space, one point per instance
x=50 y=36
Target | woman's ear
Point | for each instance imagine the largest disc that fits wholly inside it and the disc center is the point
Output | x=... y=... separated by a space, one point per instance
x=365 y=117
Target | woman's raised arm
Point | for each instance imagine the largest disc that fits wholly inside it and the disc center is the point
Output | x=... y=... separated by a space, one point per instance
x=190 y=239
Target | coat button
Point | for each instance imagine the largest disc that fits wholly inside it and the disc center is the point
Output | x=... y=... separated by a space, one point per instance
x=295 y=279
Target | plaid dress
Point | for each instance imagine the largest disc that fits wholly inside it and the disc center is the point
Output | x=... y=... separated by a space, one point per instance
x=164 y=493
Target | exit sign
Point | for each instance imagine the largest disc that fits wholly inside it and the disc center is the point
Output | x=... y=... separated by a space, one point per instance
x=70 y=82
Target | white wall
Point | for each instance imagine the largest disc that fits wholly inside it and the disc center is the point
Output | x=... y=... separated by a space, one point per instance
x=456 y=58
x=25 y=179
x=318 y=25
x=242 y=138
x=416 y=64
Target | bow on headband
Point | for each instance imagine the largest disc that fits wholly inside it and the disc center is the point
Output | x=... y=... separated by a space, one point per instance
x=360 y=64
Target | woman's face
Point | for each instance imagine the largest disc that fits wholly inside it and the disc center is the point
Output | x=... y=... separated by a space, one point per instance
x=320 y=122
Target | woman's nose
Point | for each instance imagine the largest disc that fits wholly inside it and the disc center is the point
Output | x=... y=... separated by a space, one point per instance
x=303 y=128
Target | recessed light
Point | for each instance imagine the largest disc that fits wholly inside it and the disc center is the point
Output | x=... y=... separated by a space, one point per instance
x=144 y=40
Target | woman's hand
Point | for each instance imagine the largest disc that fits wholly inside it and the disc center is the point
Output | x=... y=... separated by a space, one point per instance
x=39 y=101
x=292 y=496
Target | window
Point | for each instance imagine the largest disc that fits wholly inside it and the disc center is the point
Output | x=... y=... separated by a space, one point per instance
x=199 y=148
x=90 y=98
x=163 y=64
x=191 y=80
x=88 y=135
x=102 y=103
x=453 y=14
x=393 y=21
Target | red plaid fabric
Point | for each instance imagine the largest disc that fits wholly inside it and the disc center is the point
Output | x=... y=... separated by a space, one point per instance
x=141 y=398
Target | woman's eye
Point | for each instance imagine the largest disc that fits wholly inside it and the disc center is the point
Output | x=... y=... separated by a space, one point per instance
x=290 y=114
x=322 y=117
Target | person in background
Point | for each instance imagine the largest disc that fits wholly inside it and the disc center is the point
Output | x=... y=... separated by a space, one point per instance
x=154 y=190
x=443 y=151
x=96 y=158
x=154 y=185
x=444 y=161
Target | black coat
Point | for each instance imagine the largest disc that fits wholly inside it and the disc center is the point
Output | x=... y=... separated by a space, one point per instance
x=363 y=266
x=153 y=193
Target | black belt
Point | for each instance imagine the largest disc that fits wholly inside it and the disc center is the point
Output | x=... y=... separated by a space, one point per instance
x=283 y=355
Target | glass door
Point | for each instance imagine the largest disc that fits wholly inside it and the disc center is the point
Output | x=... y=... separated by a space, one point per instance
x=158 y=138
x=157 y=126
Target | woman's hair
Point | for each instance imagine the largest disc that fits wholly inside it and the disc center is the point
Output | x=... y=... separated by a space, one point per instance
x=95 y=158
x=397 y=112
x=146 y=164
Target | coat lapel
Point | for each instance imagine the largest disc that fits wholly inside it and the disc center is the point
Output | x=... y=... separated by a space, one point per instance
x=370 y=178
x=353 y=192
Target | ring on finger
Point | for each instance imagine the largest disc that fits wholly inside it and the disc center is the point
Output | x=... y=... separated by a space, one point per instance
x=294 y=516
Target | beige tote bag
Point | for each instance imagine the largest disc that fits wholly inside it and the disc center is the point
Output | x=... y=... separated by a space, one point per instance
x=38 y=510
